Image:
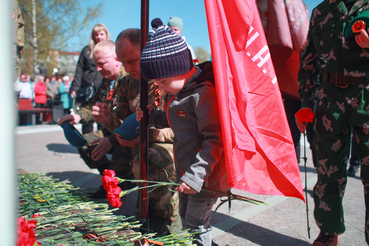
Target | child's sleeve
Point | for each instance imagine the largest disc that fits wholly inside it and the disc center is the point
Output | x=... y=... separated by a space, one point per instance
x=212 y=150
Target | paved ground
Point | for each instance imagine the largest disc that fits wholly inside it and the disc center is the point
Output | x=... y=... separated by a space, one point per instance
x=43 y=148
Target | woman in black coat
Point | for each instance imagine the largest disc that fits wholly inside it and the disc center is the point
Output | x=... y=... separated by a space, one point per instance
x=86 y=72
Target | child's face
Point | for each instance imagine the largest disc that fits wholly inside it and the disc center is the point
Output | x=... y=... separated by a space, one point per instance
x=171 y=85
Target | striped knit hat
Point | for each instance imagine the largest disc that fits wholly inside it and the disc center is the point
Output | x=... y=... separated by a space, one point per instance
x=165 y=54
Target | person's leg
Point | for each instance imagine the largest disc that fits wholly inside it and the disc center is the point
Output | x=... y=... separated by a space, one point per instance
x=360 y=122
x=163 y=202
x=291 y=106
x=39 y=115
x=195 y=211
x=333 y=138
x=354 y=160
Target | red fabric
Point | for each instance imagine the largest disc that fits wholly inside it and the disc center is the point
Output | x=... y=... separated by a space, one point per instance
x=259 y=150
x=286 y=26
x=40 y=92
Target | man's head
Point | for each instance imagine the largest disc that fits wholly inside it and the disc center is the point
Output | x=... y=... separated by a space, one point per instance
x=41 y=78
x=23 y=77
x=106 y=59
x=176 y=24
x=128 y=51
x=66 y=79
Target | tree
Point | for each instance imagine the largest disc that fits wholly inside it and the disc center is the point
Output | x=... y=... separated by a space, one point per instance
x=201 y=54
x=56 y=22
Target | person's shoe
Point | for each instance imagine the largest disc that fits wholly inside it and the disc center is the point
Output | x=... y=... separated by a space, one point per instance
x=351 y=171
x=99 y=194
x=326 y=240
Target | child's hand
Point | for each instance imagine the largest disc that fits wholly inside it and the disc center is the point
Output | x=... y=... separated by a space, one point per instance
x=362 y=39
x=185 y=188
x=139 y=112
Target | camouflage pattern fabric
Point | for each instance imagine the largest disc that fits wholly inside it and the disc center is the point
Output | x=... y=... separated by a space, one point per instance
x=163 y=201
x=121 y=156
x=339 y=108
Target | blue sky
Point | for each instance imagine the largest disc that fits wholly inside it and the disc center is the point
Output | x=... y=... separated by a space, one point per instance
x=118 y=15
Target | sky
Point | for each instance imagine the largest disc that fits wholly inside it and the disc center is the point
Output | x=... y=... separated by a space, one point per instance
x=118 y=15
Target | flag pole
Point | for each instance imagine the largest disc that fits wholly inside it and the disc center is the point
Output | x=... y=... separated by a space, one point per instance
x=144 y=121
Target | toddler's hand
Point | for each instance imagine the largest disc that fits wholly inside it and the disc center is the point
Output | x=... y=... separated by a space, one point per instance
x=185 y=188
x=139 y=112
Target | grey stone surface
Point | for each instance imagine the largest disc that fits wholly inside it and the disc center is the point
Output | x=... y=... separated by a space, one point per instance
x=44 y=149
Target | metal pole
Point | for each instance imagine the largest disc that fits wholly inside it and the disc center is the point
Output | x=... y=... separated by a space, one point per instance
x=144 y=120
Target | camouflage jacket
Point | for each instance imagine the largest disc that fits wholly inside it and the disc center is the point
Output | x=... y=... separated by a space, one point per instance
x=128 y=99
x=102 y=95
x=328 y=50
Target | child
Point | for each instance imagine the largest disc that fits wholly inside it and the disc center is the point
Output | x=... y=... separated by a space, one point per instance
x=193 y=115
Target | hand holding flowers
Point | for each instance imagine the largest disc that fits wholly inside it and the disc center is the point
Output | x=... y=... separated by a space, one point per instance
x=302 y=117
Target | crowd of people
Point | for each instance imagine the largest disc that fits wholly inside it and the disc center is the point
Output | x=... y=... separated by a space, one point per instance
x=45 y=89
x=182 y=98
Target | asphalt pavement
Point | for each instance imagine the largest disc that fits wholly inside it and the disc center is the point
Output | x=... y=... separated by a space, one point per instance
x=44 y=149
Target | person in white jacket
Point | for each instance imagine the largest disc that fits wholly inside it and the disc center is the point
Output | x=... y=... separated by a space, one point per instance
x=176 y=24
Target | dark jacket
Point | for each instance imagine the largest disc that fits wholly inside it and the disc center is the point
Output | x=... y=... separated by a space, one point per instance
x=86 y=72
x=193 y=115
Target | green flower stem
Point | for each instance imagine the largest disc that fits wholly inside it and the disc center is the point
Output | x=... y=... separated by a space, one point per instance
x=146 y=181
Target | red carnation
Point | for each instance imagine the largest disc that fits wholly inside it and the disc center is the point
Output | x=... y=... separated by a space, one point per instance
x=115 y=202
x=305 y=115
x=110 y=173
x=109 y=183
x=114 y=197
x=26 y=235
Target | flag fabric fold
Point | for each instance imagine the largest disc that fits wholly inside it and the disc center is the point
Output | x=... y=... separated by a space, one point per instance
x=286 y=25
x=259 y=150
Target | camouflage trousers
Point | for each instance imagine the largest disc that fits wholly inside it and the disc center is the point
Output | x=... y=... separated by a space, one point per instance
x=120 y=161
x=339 y=111
x=163 y=201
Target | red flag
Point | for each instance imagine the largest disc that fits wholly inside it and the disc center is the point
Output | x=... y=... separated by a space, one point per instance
x=259 y=150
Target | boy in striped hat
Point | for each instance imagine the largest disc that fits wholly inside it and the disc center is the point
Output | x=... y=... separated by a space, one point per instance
x=193 y=115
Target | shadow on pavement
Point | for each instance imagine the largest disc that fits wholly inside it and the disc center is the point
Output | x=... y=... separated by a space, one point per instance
x=259 y=235
x=308 y=169
x=62 y=148
x=84 y=180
